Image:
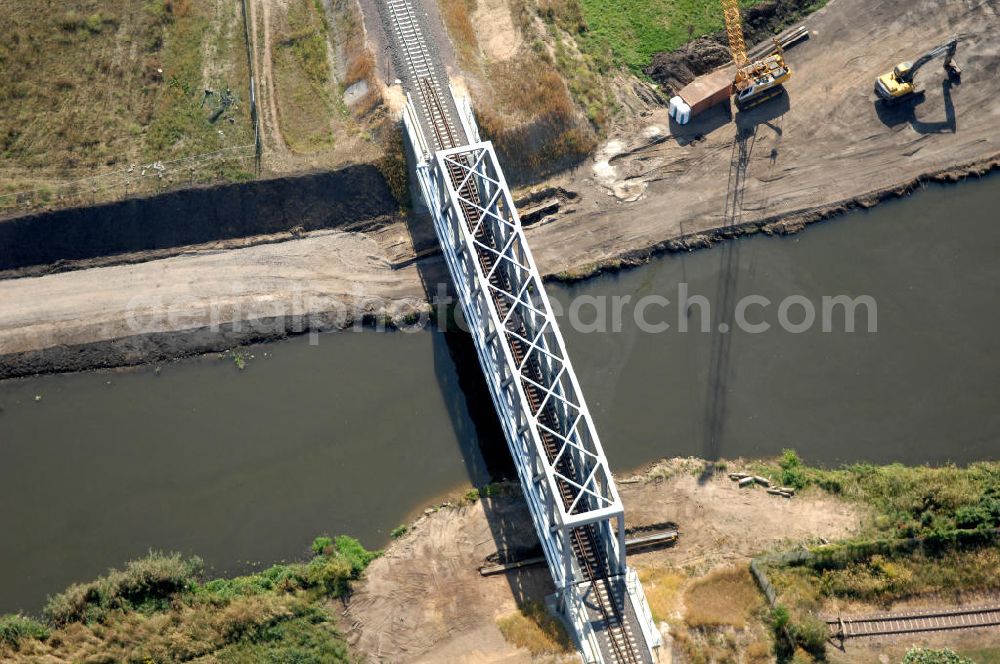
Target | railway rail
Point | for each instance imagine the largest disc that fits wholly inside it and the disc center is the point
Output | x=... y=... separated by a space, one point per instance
x=937 y=621
x=438 y=116
x=609 y=591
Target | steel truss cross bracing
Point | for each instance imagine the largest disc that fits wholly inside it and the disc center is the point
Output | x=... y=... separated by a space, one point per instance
x=569 y=488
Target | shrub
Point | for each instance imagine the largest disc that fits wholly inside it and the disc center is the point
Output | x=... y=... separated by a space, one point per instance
x=792 y=472
x=15 y=629
x=350 y=550
x=248 y=619
x=930 y=656
x=71 y=21
x=398 y=532
x=472 y=495
x=779 y=618
x=810 y=633
x=148 y=583
x=94 y=23
x=321 y=544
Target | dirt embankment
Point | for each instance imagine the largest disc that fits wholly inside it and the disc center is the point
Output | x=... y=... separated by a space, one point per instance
x=199 y=302
x=154 y=227
x=425 y=600
x=822 y=149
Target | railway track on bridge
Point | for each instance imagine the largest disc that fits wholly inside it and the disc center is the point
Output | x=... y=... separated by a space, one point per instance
x=617 y=639
x=609 y=592
x=890 y=624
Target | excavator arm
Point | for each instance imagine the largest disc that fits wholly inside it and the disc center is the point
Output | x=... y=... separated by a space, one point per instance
x=898 y=84
x=947 y=50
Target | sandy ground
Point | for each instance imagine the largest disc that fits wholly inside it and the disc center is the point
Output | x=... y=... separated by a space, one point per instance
x=426 y=601
x=821 y=149
x=273 y=284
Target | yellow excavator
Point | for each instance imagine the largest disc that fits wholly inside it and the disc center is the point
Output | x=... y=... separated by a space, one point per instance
x=756 y=81
x=897 y=85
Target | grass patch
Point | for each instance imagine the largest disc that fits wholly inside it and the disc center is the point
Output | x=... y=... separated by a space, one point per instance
x=94 y=86
x=393 y=164
x=890 y=577
x=631 y=31
x=532 y=121
x=662 y=588
x=306 y=104
x=159 y=609
x=15 y=629
x=982 y=655
x=907 y=501
x=534 y=628
x=724 y=597
x=456 y=15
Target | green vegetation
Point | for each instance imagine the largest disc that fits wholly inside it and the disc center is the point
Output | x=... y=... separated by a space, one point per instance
x=633 y=30
x=906 y=501
x=399 y=531
x=929 y=656
x=15 y=629
x=929 y=532
x=159 y=609
x=886 y=571
x=306 y=103
x=240 y=359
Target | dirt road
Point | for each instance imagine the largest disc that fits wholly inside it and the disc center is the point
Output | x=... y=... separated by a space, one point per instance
x=821 y=148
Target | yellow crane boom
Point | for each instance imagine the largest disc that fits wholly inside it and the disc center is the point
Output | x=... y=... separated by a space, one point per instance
x=756 y=81
x=734 y=31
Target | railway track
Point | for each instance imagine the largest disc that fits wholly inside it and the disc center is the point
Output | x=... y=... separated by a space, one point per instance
x=421 y=71
x=889 y=624
x=609 y=593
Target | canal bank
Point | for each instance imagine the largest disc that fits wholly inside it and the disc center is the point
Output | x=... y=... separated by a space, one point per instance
x=353 y=434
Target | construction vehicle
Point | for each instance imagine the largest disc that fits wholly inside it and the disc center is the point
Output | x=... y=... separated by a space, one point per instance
x=761 y=79
x=897 y=85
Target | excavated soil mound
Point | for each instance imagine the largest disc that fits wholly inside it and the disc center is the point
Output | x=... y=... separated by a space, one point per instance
x=675 y=69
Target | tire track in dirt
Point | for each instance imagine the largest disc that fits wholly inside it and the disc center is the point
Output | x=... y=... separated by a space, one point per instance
x=273 y=137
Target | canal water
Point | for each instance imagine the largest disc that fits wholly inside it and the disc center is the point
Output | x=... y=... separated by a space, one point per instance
x=356 y=433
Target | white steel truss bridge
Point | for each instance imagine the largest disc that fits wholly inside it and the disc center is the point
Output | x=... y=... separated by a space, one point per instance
x=563 y=471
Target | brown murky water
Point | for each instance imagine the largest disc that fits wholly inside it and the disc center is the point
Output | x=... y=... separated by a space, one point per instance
x=354 y=434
